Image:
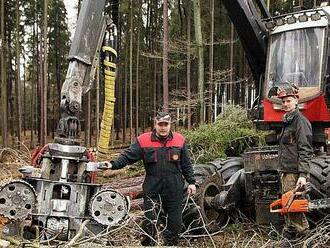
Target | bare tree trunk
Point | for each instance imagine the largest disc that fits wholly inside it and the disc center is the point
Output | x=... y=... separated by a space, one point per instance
x=18 y=77
x=155 y=86
x=58 y=78
x=199 y=41
x=39 y=74
x=11 y=91
x=211 y=59
x=118 y=85
x=165 y=56
x=43 y=127
x=137 y=82
x=24 y=99
x=189 y=62
x=45 y=67
x=32 y=115
x=125 y=98
x=131 y=73
x=231 y=95
x=4 y=108
x=152 y=46
x=216 y=96
x=34 y=91
x=242 y=93
x=52 y=106
x=39 y=92
x=181 y=18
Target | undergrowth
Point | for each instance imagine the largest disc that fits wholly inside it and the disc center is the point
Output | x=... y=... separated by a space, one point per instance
x=229 y=135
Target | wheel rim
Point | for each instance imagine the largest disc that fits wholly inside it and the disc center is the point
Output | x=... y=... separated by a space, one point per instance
x=210 y=190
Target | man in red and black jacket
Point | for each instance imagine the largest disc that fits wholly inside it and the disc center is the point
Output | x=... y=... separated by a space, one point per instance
x=166 y=161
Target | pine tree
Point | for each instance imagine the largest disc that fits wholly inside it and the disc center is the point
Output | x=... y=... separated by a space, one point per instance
x=59 y=45
x=3 y=61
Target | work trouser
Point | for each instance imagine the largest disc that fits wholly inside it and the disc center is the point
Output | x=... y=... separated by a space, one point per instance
x=169 y=199
x=295 y=222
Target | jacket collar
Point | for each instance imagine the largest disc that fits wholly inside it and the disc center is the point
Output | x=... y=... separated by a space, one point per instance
x=288 y=117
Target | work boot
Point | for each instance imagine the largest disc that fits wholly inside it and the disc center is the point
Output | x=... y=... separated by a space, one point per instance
x=289 y=234
x=170 y=239
x=173 y=242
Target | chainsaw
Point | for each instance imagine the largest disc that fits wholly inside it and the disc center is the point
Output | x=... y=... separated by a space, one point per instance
x=294 y=201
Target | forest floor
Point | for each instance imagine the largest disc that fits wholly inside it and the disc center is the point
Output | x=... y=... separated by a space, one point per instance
x=242 y=233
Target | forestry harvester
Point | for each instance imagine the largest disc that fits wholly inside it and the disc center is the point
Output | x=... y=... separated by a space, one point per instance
x=61 y=196
x=295 y=48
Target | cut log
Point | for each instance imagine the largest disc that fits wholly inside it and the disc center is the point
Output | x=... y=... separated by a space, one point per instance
x=137 y=204
x=127 y=182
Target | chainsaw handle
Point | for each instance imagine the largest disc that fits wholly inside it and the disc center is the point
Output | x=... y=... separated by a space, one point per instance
x=276 y=204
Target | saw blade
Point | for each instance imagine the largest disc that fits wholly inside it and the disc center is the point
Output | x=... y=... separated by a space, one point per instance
x=319 y=204
x=17 y=200
x=109 y=207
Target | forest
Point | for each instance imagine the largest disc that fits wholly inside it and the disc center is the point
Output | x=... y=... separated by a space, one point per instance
x=200 y=70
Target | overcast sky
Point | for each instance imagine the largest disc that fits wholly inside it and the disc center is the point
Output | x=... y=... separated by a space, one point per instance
x=72 y=15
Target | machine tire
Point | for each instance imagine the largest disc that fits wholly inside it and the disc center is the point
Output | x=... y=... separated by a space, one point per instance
x=320 y=178
x=207 y=184
x=320 y=173
x=209 y=179
x=230 y=167
x=211 y=168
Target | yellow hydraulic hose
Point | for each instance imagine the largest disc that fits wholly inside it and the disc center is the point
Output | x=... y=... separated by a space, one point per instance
x=109 y=103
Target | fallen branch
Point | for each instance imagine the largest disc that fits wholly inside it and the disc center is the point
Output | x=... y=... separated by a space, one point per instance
x=77 y=236
x=11 y=240
x=204 y=224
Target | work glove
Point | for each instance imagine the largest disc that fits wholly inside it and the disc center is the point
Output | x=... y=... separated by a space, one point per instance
x=27 y=169
x=95 y=166
x=308 y=187
x=30 y=171
x=301 y=183
x=106 y=165
x=191 y=189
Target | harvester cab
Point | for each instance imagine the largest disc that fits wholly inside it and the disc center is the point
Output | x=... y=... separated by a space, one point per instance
x=298 y=53
x=293 y=48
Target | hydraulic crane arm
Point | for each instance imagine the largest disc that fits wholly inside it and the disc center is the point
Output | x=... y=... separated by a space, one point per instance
x=87 y=40
x=251 y=31
x=91 y=29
